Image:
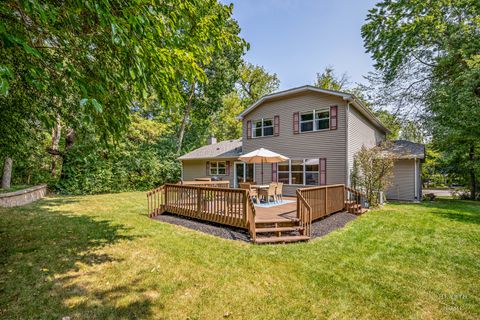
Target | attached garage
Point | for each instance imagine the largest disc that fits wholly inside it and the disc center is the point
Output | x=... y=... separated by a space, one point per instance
x=406 y=182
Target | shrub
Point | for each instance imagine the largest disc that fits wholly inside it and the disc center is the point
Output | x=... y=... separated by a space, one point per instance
x=429 y=197
x=463 y=194
x=372 y=172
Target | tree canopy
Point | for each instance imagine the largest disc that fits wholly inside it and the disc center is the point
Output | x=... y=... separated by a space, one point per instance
x=427 y=57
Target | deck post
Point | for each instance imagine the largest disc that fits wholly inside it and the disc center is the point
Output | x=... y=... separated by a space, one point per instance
x=326 y=200
x=199 y=202
x=166 y=197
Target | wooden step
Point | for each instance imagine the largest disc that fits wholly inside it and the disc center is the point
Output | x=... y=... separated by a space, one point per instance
x=278 y=229
x=283 y=239
x=276 y=220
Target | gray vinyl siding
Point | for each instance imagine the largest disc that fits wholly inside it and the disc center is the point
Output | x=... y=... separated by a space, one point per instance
x=329 y=144
x=403 y=181
x=361 y=132
x=198 y=169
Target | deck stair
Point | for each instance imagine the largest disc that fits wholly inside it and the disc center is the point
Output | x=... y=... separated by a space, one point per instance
x=279 y=231
x=353 y=207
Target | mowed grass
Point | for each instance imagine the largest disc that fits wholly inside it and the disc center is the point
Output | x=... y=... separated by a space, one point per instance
x=101 y=257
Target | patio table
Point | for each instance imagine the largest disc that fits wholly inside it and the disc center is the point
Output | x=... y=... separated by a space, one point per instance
x=260 y=186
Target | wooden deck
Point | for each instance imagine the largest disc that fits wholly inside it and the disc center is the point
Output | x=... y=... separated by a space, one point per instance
x=281 y=223
x=283 y=212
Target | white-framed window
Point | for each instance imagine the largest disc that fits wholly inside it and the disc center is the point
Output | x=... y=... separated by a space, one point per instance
x=315 y=120
x=311 y=172
x=262 y=128
x=299 y=172
x=218 y=168
x=283 y=172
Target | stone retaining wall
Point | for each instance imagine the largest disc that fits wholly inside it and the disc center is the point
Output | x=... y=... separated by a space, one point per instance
x=21 y=197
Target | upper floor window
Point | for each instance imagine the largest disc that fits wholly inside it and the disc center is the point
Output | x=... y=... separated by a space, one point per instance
x=315 y=120
x=262 y=128
x=218 y=168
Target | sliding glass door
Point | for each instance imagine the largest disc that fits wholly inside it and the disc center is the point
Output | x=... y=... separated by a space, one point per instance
x=244 y=172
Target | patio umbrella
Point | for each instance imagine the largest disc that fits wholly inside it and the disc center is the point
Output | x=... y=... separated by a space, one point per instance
x=262 y=156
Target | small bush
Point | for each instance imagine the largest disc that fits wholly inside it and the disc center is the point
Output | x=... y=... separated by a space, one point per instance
x=429 y=197
x=463 y=194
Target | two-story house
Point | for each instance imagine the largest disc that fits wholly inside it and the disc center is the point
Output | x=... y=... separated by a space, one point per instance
x=319 y=131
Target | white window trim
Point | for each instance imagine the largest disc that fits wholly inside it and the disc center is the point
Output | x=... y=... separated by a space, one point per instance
x=313 y=112
x=263 y=127
x=216 y=167
x=304 y=173
x=290 y=171
x=235 y=183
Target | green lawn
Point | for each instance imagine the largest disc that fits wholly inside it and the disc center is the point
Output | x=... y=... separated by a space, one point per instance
x=100 y=257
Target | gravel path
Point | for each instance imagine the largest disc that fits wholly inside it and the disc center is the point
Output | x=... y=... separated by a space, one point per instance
x=214 y=229
x=335 y=221
x=319 y=228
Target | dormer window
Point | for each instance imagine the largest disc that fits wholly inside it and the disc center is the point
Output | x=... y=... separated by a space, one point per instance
x=315 y=120
x=262 y=128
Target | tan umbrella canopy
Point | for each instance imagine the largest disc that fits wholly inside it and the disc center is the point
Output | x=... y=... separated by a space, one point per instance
x=262 y=156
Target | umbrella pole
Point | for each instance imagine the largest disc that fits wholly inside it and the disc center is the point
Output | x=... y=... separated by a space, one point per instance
x=262 y=171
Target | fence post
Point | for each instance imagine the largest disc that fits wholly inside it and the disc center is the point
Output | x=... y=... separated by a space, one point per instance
x=166 y=197
x=326 y=200
x=199 y=202
x=245 y=208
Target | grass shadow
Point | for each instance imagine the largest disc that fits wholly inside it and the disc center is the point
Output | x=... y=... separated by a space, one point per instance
x=41 y=248
x=464 y=211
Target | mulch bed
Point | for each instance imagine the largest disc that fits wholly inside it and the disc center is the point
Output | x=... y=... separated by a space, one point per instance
x=320 y=227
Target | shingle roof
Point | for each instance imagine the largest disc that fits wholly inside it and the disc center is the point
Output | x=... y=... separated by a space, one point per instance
x=403 y=149
x=223 y=149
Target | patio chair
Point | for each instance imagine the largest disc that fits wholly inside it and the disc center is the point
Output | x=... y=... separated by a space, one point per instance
x=253 y=191
x=279 y=191
x=270 y=192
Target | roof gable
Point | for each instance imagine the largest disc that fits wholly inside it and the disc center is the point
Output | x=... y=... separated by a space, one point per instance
x=345 y=96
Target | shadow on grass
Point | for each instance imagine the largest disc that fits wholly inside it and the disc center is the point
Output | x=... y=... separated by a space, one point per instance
x=41 y=248
x=465 y=211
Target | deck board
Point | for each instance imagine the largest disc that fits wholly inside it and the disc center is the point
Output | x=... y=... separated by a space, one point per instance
x=285 y=211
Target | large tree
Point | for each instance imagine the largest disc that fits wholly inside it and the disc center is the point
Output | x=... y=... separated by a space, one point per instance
x=253 y=83
x=427 y=56
x=91 y=62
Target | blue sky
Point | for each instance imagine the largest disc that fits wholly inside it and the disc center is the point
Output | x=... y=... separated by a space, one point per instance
x=298 y=38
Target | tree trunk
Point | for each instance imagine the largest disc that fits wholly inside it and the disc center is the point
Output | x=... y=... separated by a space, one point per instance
x=473 y=178
x=7 y=173
x=186 y=115
x=69 y=140
x=56 y=134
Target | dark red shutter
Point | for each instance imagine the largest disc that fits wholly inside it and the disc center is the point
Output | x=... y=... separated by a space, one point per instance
x=333 y=117
x=274 y=172
x=295 y=122
x=227 y=170
x=276 y=126
x=207 y=168
x=322 y=171
x=249 y=129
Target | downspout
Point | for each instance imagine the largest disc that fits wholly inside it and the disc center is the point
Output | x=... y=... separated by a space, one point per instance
x=347 y=136
x=416 y=177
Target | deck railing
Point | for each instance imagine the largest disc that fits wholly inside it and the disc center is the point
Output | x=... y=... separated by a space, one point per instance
x=217 y=184
x=323 y=200
x=304 y=214
x=156 y=201
x=355 y=195
x=226 y=206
